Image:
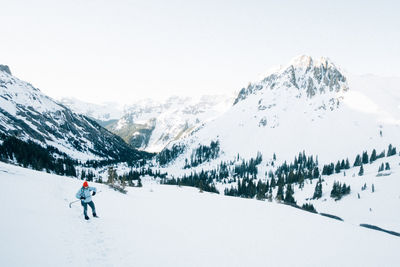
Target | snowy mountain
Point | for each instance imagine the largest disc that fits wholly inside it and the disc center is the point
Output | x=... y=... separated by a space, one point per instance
x=151 y=125
x=148 y=229
x=308 y=105
x=28 y=114
x=102 y=113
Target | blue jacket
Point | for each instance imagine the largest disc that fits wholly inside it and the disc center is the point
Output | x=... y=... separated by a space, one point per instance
x=85 y=192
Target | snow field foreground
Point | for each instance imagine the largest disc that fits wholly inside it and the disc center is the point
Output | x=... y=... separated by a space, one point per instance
x=160 y=225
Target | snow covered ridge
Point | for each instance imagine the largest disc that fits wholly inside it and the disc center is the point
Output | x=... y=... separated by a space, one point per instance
x=25 y=112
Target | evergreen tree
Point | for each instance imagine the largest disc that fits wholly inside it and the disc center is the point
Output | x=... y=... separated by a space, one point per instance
x=391 y=151
x=365 y=157
x=83 y=174
x=316 y=173
x=337 y=167
x=347 y=165
x=361 y=171
x=381 y=168
x=289 y=195
x=342 y=164
x=357 y=161
x=318 y=190
x=279 y=193
x=387 y=166
x=373 y=156
x=273 y=183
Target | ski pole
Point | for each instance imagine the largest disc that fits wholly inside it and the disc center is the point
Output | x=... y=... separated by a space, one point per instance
x=70 y=204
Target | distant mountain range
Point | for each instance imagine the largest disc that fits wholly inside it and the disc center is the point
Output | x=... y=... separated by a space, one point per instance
x=151 y=125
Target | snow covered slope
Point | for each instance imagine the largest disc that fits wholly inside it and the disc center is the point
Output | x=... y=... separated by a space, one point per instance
x=170 y=226
x=27 y=113
x=376 y=204
x=309 y=104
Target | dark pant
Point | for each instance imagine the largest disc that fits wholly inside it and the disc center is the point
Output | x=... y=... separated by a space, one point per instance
x=91 y=204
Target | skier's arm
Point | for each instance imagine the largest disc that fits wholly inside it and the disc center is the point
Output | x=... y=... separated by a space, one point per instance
x=79 y=194
x=93 y=189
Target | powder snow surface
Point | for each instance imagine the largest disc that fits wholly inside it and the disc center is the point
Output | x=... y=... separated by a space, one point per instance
x=170 y=226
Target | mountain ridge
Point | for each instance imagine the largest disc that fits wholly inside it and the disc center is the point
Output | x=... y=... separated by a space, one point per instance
x=27 y=113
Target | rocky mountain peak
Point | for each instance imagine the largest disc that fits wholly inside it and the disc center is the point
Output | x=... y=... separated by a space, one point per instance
x=5 y=69
x=307 y=75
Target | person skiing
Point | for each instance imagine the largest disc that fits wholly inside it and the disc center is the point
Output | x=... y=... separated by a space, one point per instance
x=86 y=198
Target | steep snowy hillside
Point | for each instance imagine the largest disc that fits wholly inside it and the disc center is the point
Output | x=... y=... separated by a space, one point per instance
x=27 y=113
x=150 y=125
x=309 y=105
x=160 y=225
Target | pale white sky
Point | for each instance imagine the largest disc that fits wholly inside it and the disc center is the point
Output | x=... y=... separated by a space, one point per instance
x=124 y=50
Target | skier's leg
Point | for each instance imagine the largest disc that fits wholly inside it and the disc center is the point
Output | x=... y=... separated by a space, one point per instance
x=91 y=204
x=84 y=204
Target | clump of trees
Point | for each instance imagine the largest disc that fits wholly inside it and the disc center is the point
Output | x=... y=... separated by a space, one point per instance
x=168 y=155
x=383 y=167
x=200 y=180
x=339 y=190
x=309 y=207
x=203 y=154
